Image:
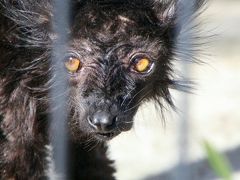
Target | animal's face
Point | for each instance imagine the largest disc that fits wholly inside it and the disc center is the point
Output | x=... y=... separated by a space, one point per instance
x=119 y=56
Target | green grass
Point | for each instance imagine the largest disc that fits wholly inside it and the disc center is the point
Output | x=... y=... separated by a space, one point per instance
x=218 y=162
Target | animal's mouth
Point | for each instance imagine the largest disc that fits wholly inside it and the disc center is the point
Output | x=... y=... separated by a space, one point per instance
x=106 y=135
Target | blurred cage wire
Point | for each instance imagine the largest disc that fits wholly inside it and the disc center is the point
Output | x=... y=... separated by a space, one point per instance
x=182 y=170
x=58 y=127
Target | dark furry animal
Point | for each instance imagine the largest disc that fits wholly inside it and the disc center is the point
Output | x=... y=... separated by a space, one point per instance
x=120 y=55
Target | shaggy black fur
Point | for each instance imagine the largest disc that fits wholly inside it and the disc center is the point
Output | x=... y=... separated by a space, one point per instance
x=108 y=36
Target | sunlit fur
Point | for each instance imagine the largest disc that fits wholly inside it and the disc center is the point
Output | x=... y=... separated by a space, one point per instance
x=105 y=35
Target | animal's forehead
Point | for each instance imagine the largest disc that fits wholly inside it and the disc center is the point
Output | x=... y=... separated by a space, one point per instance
x=97 y=29
x=114 y=19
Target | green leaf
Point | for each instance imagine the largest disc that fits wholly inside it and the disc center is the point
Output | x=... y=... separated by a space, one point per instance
x=218 y=162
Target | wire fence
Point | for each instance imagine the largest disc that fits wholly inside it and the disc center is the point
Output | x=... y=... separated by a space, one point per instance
x=182 y=171
x=58 y=128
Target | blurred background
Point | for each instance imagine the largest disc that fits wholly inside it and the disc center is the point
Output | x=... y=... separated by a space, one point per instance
x=152 y=151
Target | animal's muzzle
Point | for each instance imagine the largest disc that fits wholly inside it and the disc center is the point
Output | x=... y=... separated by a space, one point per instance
x=102 y=121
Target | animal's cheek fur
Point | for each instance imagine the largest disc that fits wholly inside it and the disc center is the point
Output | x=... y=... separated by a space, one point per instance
x=77 y=123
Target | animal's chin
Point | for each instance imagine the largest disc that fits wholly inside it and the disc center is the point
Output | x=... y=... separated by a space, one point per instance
x=108 y=135
x=105 y=136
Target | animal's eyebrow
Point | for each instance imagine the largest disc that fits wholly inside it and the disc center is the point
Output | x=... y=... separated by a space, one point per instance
x=120 y=46
x=125 y=19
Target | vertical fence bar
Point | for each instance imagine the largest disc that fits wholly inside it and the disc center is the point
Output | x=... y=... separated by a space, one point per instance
x=58 y=93
x=185 y=42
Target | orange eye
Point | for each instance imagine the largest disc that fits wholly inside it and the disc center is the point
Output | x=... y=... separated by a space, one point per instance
x=142 y=65
x=73 y=64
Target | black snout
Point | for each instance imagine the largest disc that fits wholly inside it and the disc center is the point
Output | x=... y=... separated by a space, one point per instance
x=102 y=121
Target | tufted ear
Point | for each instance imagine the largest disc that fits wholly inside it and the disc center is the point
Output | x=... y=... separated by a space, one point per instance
x=165 y=10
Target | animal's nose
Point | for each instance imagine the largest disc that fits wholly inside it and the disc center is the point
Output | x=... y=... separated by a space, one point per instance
x=102 y=121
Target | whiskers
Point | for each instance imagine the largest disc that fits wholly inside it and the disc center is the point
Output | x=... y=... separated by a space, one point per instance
x=91 y=143
x=138 y=102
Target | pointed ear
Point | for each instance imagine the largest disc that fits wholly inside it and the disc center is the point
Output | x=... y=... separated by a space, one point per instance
x=165 y=10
